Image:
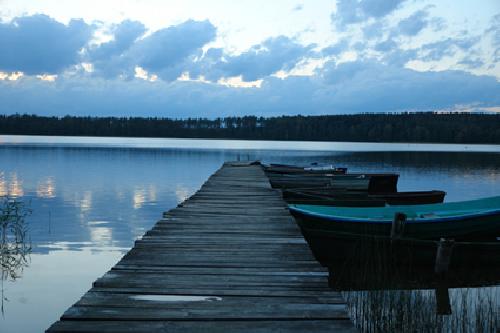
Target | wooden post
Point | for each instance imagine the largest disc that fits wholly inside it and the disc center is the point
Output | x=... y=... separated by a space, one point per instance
x=398 y=224
x=443 y=306
x=443 y=256
x=441 y=266
x=331 y=278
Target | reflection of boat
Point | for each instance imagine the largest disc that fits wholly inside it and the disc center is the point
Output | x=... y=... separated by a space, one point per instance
x=460 y=220
x=330 y=247
x=347 y=277
x=362 y=262
x=373 y=183
x=329 y=197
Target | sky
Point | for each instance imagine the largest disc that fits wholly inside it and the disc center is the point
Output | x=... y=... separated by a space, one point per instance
x=196 y=58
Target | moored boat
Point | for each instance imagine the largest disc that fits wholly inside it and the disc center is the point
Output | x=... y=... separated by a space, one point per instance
x=333 y=248
x=331 y=197
x=373 y=183
x=459 y=220
x=311 y=169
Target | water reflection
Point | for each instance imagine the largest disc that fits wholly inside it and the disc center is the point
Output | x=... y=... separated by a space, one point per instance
x=86 y=202
x=139 y=198
x=46 y=188
x=3 y=185
x=11 y=187
x=181 y=193
x=101 y=236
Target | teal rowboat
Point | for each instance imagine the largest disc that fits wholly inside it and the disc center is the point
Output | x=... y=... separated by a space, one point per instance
x=459 y=220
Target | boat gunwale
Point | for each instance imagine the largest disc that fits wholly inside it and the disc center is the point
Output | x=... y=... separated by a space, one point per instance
x=410 y=220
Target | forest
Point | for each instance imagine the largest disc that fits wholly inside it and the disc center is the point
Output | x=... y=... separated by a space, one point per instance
x=365 y=127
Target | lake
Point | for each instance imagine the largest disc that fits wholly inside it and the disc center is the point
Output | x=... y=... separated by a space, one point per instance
x=92 y=197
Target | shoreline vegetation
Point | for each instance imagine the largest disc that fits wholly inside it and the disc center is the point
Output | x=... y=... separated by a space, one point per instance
x=406 y=127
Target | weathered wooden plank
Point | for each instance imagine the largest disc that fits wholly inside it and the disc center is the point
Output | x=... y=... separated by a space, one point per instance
x=221 y=291
x=182 y=301
x=252 y=326
x=315 y=271
x=215 y=312
x=211 y=278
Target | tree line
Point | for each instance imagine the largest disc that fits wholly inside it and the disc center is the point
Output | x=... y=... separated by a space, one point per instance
x=401 y=127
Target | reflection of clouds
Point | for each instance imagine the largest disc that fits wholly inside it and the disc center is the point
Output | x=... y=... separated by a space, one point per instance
x=181 y=193
x=139 y=198
x=14 y=187
x=86 y=202
x=141 y=195
x=101 y=235
x=152 y=193
x=46 y=188
x=3 y=185
x=120 y=194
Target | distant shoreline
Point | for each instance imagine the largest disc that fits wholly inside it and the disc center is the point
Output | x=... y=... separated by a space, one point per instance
x=423 y=127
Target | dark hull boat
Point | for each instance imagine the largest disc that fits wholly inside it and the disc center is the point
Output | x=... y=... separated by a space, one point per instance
x=459 y=220
x=330 y=197
x=312 y=169
x=373 y=183
x=335 y=248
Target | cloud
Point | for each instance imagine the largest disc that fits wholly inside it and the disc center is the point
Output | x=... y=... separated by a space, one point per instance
x=111 y=59
x=413 y=24
x=371 y=86
x=298 y=7
x=40 y=45
x=494 y=29
x=379 y=8
x=471 y=62
x=360 y=86
x=386 y=46
x=164 y=51
x=399 y=57
x=261 y=60
x=355 y=11
x=124 y=35
x=374 y=30
x=447 y=47
x=336 y=49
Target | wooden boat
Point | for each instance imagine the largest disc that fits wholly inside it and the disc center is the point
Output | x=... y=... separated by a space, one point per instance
x=331 y=197
x=332 y=248
x=459 y=220
x=373 y=183
x=312 y=169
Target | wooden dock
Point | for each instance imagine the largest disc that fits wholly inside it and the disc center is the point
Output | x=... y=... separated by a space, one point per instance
x=229 y=259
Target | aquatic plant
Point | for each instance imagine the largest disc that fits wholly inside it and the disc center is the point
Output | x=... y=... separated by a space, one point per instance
x=15 y=244
x=473 y=310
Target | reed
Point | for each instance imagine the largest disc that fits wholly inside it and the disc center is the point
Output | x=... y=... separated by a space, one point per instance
x=385 y=297
x=473 y=310
x=15 y=244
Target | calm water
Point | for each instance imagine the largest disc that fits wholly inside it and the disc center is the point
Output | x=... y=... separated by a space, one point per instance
x=91 y=198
